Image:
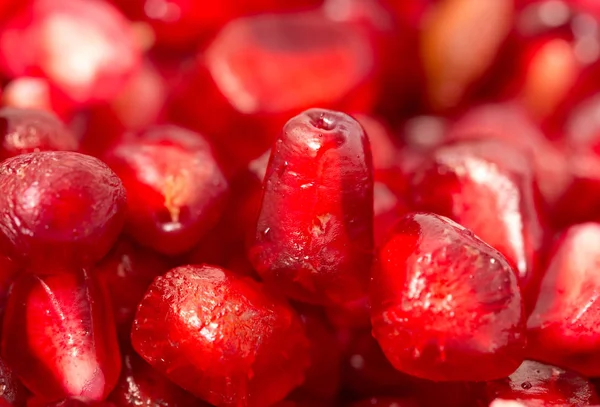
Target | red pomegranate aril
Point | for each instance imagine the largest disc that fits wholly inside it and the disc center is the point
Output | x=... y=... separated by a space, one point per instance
x=487 y=187
x=175 y=187
x=127 y=272
x=85 y=48
x=59 y=336
x=26 y=92
x=314 y=236
x=510 y=124
x=59 y=207
x=28 y=130
x=138 y=105
x=224 y=338
x=536 y=384
x=561 y=329
x=459 y=43
x=445 y=306
x=142 y=386
x=261 y=70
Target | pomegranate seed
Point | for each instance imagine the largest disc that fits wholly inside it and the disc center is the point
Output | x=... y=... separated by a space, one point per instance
x=27 y=131
x=459 y=43
x=59 y=336
x=222 y=337
x=141 y=385
x=318 y=63
x=34 y=93
x=385 y=402
x=536 y=384
x=314 y=237
x=561 y=328
x=181 y=24
x=138 y=105
x=59 y=207
x=510 y=124
x=434 y=275
x=127 y=272
x=175 y=187
x=84 y=47
x=487 y=187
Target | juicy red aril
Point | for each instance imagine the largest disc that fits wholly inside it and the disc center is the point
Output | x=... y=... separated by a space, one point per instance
x=314 y=237
x=138 y=105
x=127 y=271
x=222 y=337
x=537 y=384
x=561 y=330
x=261 y=70
x=445 y=306
x=141 y=385
x=59 y=336
x=487 y=187
x=175 y=187
x=28 y=130
x=511 y=124
x=85 y=48
x=459 y=42
x=59 y=207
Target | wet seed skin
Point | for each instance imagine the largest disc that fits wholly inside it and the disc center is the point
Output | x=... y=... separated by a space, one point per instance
x=314 y=236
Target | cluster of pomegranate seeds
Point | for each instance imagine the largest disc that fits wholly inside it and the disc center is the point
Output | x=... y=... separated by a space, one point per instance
x=299 y=203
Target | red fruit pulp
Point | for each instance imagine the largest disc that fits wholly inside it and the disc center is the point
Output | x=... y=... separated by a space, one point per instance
x=175 y=187
x=59 y=336
x=28 y=130
x=222 y=337
x=510 y=123
x=314 y=236
x=59 y=207
x=537 y=384
x=561 y=330
x=85 y=48
x=489 y=188
x=445 y=306
x=142 y=386
x=127 y=271
x=263 y=69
